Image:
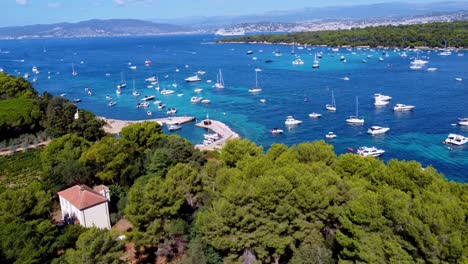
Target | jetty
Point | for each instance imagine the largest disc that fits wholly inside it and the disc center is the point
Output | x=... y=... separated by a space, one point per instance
x=114 y=126
x=224 y=132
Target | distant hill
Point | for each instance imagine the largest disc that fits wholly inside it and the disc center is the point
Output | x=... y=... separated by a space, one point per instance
x=354 y=12
x=91 y=28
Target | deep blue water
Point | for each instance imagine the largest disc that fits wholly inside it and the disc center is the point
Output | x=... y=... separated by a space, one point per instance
x=417 y=135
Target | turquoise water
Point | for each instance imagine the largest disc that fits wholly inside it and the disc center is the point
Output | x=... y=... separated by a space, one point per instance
x=417 y=135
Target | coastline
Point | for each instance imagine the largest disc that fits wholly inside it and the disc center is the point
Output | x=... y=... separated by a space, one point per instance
x=114 y=126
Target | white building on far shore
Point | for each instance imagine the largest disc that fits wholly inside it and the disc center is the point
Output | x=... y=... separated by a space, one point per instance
x=86 y=206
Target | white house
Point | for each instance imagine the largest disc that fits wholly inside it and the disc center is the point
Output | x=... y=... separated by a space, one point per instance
x=86 y=206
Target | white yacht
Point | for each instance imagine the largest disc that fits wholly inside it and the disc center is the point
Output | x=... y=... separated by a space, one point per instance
x=110 y=104
x=151 y=79
x=330 y=135
x=148 y=98
x=463 y=121
x=315 y=115
x=276 y=131
x=298 y=61
x=171 y=111
x=379 y=96
x=290 y=121
x=193 y=78
x=458 y=79
x=355 y=120
x=197 y=90
x=196 y=99
x=380 y=102
x=375 y=130
x=370 y=151
x=456 y=139
x=431 y=69
x=403 y=107
x=136 y=93
x=174 y=127
x=205 y=101
x=144 y=104
x=167 y=92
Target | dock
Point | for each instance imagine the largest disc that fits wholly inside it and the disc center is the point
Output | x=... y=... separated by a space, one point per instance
x=114 y=126
x=219 y=128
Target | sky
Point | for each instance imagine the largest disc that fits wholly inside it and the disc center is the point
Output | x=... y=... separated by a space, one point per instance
x=28 y=12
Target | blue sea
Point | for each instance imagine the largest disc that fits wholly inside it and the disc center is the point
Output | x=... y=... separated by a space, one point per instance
x=289 y=89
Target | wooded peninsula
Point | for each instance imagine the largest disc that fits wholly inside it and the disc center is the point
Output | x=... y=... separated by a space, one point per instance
x=431 y=35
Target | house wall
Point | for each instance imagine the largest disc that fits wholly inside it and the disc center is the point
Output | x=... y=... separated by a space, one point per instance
x=97 y=216
x=72 y=211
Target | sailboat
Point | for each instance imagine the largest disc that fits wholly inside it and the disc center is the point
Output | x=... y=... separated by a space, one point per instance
x=255 y=89
x=122 y=83
x=135 y=92
x=331 y=107
x=292 y=50
x=355 y=120
x=316 y=62
x=74 y=73
x=219 y=80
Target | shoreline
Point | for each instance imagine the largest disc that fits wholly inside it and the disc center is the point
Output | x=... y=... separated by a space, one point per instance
x=114 y=126
x=341 y=46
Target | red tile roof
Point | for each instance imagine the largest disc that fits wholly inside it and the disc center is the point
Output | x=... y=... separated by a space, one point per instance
x=82 y=197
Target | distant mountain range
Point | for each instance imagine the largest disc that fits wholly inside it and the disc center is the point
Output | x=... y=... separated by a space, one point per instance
x=92 y=28
x=306 y=19
x=355 y=12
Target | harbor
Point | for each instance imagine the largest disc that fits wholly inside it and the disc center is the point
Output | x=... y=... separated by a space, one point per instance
x=225 y=133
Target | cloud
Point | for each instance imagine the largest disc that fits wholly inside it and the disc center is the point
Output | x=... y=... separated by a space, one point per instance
x=119 y=2
x=54 y=5
x=22 y=2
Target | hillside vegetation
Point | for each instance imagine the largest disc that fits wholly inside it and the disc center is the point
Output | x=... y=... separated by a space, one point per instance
x=429 y=35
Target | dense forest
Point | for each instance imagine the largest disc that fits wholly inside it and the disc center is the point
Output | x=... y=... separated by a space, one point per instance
x=433 y=35
x=244 y=204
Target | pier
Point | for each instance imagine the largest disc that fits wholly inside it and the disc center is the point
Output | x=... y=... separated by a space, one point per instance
x=219 y=128
x=114 y=126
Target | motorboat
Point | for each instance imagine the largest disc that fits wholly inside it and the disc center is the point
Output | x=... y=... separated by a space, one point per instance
x=379 y=96
x=431 y=69
x=151 y=79
x=290 y=121
x=108 y=97
x=458 y=79
x=197 y=90
x=375 y=130
x=346 y=78
x=415 y=67
x=263 y=100
x=205 y=101
x=193 y=78
x=144 y=104
x=249 y=52
x=201 y=72
x=110 y=104
x=403 y=107
x=148 y=98
x=211 y=136
x=118 y=91
x=330 y=135
x=255 y=90
x=166 y=92
x=149 y=113
x=456 y=139
x=315 y=115
x=276 y=131
x=174 y=127
x=147 y=63
x=76 y=100
x=136 y=93
x=180 y=94
x=463 y=121
x=370 y=151
x=298 y=61
x=355 y=120
x=161 y=106
x=342 y=58
x=195 y=99
x=171 y=111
